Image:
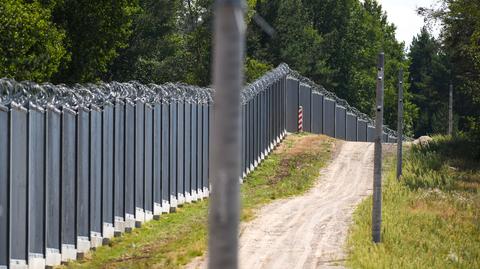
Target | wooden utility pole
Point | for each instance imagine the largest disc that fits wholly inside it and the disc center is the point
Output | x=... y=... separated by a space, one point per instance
x=377 y=166
x=228 y=59
x=450 y=110
x=400 y=124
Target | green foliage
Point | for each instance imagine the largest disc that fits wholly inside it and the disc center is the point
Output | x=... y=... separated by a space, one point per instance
x=459 y=40
x=254 y=69
x=95 y=31
x=31 y=46
x=430 y=216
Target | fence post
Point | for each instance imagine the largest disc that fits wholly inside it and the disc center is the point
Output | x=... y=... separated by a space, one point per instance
x=377 y=170
x=4 y=186
x=229 y=34
x=450 y=109
x=300 y=119
x=400 y=124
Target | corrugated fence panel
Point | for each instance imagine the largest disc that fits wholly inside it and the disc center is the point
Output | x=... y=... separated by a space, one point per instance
x=4 y=185
x=329 y=117
x=83 y=168
x=18 y=185
x=148 y=165
x=188 y=152
x=351 y=127
x=292 y=105
x=206 y=146
x=200 y=126
x=305 y=94
x=68 y=166
x=129 y=165
x=180 y=152
x=139 y=161
x=157 y=160
x=317 y=111
x=173 y=155
x=340 y=122
x=36 y=178
x=165 y=156
x=53 y=183
x=96 y=176
x=362 y=130
x=107 y=170
x=370 y=133
x=193 y=157
x=119 y=165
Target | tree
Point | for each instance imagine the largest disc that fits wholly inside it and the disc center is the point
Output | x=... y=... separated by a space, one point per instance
x=96 y=31
x=31 y=46
x=460 y=42
x=429 y=81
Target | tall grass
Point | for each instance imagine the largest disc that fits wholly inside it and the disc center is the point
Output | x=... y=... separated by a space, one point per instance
x=431 y=217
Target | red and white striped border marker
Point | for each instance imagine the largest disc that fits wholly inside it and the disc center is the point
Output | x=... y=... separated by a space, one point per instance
x=300 y=119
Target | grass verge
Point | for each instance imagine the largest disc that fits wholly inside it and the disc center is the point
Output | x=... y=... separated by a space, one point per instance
x=176 y=239
x=431 y=218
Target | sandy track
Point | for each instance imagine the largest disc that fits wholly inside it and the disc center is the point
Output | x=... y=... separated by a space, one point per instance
x=309 y=231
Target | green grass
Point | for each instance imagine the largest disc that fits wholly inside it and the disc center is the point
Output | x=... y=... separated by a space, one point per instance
x=176 y=239
x=431 y=218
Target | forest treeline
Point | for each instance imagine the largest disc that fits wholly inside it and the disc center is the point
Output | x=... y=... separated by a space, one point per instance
x=333 y=42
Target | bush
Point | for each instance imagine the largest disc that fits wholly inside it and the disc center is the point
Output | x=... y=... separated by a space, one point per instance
x=31 y=46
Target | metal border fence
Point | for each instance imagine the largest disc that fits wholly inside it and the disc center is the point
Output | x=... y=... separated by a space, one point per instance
x=81 y=164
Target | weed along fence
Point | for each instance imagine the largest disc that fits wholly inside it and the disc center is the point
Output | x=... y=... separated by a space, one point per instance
x=81 y=164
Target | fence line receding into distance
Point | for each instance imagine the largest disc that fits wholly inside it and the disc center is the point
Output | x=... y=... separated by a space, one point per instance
x=81 y=164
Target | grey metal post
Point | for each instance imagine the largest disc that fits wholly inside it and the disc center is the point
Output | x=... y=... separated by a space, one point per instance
x=450 y=110
x=400 y=124
x=229 y=35
x=377 y=166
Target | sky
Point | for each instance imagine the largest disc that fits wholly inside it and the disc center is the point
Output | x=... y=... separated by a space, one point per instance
x=402 y=14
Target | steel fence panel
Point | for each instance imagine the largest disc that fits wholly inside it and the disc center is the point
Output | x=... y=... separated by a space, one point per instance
x=119 y=165
x=4 y=185
x=148 y=163
x=243 y=143
x=139 y=161
x=200 y=127
x=205 y=137
x=193 y=156
x=180 y=152
x=52 y=187
x=157 y=160
x=18 y=185
x=292 y=104
x=129 y=164
x=107 y=170
x=188 y=152
x=362 y=130
x=96 y=176
x=351 y=127
x=36 y=180
x=340 y=122
x=370 y=133
x=68 y=188
x=83 y=185
x=263 y=139
x=305 y=94
x=316 y=113
x=173 y=155
x=329 y=108
x=165 y=156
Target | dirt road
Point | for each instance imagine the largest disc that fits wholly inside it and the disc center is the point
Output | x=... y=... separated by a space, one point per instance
x=309 y=231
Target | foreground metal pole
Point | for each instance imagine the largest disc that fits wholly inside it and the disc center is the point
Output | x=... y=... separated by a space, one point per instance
x=400 y=124
x=229 y=31
x=377 y=166
x=450 y=110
